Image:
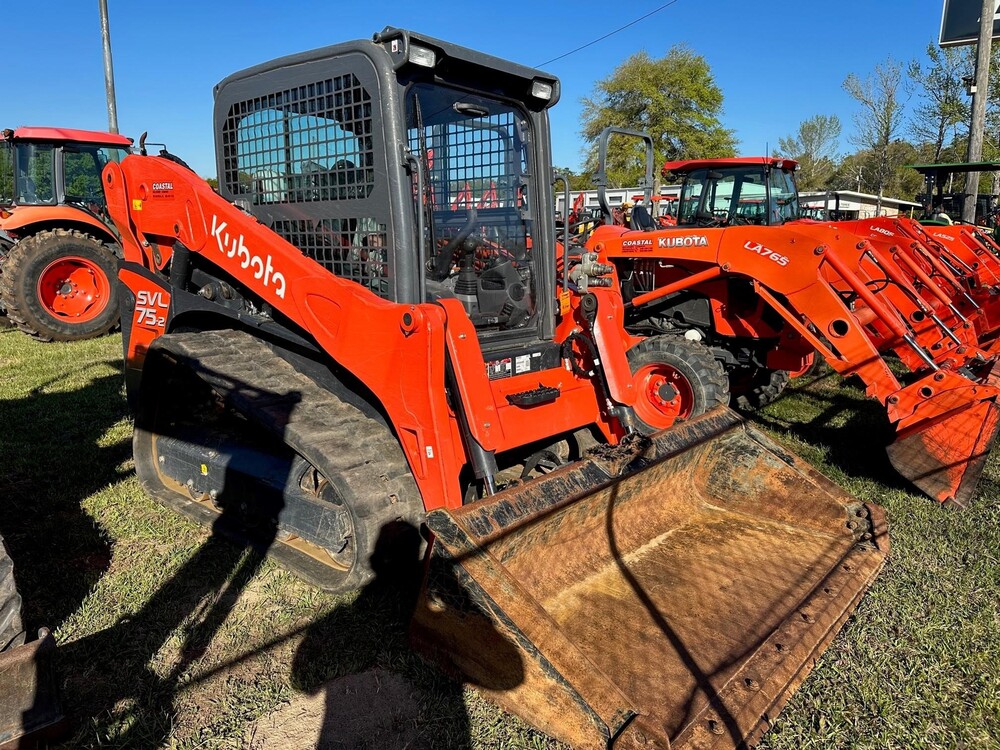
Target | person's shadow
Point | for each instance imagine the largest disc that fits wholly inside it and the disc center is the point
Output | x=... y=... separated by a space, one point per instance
x=365 y=688
x=198 y=596
x=122 y=697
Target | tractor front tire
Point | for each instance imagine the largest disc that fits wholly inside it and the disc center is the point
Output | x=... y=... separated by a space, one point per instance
x=11 y=629
x=675 y=379
x=61 y=285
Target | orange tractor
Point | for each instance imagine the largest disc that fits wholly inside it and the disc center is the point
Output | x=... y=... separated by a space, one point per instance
x=336 y=352
x=742 y=277
x=59 y=251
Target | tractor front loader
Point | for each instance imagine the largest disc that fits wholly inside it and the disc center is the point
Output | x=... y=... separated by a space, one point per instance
x=335 y=351
x=741 y=276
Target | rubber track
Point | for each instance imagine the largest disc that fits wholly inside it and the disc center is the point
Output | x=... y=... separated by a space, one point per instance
x=335 y=437
x=11 y=629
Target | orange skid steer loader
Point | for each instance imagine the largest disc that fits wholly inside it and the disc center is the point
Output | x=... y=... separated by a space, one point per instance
x=744 y=278
x=333 y=353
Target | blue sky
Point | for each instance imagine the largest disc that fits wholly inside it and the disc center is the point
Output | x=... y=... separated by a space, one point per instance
x=777 y=63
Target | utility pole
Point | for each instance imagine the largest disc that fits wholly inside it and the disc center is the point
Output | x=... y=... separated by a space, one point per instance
x=109 y=69
x=978 y=124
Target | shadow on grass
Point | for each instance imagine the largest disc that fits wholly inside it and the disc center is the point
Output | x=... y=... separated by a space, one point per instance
x=122 y=683
x=376 y=694
x=52 y=460
x=852 y=428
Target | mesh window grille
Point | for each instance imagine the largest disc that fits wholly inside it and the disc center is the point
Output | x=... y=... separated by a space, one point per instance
x=307 y=143
x=477 y=163
x=313 y=144
x=350 y=248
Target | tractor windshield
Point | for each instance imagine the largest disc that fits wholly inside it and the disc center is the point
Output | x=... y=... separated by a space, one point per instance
x=718 y=197
x=34 y=174
x=82 y=167
x=738 y=195
x=478 y=234
x=784 y=199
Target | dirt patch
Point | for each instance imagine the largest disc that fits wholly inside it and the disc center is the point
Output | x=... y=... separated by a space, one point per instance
x=375 y=709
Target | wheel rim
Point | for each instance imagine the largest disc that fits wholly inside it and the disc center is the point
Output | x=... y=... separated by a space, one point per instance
x=74 y=289
x=665 y=395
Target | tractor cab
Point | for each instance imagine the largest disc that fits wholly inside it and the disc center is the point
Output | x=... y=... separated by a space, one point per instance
x=738 y=191
x=57 y=167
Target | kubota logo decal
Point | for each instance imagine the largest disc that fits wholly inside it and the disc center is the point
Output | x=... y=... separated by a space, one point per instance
x=756 y=247
x=263 y=268
x=944 y=236
x=690 y=240
x=880 y=230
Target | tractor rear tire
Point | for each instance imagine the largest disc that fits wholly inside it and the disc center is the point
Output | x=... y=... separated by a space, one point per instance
x=763 y=388
x=676 y=379
x=61 y=285
x=11 y=628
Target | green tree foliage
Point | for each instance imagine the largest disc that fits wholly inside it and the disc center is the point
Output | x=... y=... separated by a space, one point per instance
x=212 y=183
x=883 y=98
x=673 y=98
x=6 y=173
x=944 y=107
x=814 y=146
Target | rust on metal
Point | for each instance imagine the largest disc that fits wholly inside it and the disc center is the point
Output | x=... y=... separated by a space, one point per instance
x=671 y=598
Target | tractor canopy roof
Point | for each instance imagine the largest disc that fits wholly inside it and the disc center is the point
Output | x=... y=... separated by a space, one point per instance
x=689 y=165
x=67 y=135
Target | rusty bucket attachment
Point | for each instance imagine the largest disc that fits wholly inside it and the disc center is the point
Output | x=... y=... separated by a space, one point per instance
x=943 y=445
x=30 y=712
x=669 y=595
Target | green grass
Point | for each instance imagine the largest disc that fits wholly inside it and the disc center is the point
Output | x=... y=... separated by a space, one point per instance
x=169 y=638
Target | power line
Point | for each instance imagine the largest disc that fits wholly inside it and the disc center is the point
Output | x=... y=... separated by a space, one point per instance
x=609 y=34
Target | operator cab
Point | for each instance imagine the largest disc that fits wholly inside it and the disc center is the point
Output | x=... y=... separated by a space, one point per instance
x=733 y=192
x=416 y=168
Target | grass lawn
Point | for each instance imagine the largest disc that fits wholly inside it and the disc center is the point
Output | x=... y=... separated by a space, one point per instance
x=170 y=638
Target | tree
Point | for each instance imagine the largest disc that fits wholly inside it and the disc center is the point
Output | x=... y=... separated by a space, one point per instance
x=814 y=146
x=673 y=98
x=944 y=108
x=880 y=119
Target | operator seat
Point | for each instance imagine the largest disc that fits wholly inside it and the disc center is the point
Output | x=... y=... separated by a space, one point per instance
x=641 y=220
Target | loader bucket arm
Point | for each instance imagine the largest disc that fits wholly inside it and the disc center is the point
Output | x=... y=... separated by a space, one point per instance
x=668 y=595
x=830 y=293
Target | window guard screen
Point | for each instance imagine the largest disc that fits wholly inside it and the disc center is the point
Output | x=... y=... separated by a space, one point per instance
x=313 y=145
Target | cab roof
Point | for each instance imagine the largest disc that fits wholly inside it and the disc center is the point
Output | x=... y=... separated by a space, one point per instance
x=69 y=135
x=689 y=165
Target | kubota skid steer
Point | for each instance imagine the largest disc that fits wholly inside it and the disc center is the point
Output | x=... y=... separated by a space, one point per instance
x=341 y=356
x=742 y=275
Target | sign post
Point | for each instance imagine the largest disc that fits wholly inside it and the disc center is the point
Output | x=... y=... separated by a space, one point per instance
x=973 y=22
